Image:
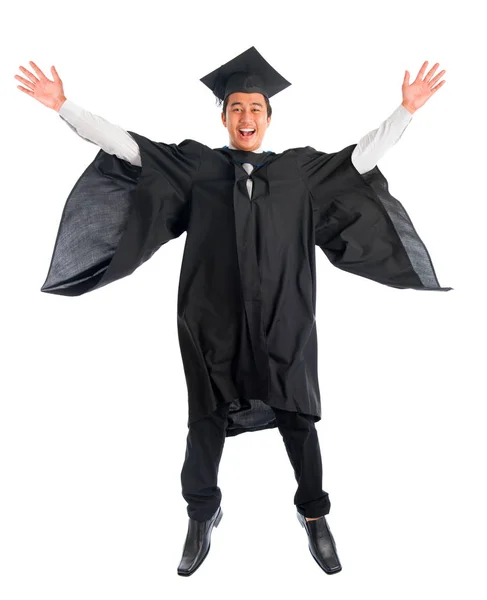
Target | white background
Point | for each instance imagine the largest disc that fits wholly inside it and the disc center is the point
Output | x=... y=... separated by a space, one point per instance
x=93 y=394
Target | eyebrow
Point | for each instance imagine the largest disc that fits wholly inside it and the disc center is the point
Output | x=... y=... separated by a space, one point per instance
x=256 y=104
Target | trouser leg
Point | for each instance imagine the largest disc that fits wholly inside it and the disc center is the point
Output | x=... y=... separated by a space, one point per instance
x=302 y=445
x=199 y=475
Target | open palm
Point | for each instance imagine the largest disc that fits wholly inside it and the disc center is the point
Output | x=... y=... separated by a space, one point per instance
x=50 y=93
x=418 y=92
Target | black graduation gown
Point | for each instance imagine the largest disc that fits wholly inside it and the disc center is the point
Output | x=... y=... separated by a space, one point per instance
x=247 y=289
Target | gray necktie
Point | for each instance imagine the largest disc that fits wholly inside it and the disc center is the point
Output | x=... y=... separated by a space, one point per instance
x=249 y=168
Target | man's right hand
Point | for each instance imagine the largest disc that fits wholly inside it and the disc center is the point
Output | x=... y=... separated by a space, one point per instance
x=50 y=93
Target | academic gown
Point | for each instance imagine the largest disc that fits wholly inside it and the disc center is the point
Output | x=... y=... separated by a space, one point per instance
x=247 y=289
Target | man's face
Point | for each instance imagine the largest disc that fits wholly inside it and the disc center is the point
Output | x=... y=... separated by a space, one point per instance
x=246 y=111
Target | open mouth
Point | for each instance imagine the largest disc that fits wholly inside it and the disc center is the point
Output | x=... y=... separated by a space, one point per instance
x=246 y=133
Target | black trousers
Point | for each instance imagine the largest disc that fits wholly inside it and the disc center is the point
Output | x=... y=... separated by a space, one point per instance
x=204 y=447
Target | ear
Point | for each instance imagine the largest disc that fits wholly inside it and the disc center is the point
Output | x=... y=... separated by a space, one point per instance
x=224 y=121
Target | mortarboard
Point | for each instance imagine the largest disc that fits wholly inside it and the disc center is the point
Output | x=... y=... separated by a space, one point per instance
x=248 y=72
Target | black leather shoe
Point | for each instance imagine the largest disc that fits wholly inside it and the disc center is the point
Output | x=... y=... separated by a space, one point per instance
x=321 y=544
x=197 y=544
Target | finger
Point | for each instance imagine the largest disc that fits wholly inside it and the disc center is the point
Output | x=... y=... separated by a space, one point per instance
x=40 y=74
x=436 y=88
x=29 y=75
x=435 y=79
x=26 y=91
x=29 y=84
x=431 y=71
x=422 y=70
x=55 y=73
x=406 y=78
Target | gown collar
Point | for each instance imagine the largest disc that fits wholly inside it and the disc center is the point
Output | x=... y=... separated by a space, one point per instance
x=257 y=158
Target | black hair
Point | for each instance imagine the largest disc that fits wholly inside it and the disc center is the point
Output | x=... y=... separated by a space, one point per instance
x=224 y=108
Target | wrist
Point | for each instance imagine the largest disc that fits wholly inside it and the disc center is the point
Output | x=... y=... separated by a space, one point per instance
x=408 y=107
x=59 y=103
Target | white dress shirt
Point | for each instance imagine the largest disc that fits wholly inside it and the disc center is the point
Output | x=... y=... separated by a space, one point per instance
x=115 y=140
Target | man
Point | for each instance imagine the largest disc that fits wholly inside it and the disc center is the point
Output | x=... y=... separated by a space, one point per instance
x=247 y=291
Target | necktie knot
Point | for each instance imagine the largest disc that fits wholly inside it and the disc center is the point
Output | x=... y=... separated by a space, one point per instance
x=248 y=167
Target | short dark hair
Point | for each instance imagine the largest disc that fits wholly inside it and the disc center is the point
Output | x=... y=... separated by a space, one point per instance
x=225 y=103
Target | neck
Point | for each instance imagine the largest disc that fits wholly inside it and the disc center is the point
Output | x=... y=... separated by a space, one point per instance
x=232 y=147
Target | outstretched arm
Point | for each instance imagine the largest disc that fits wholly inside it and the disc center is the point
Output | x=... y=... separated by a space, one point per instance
x=376 y=143
x=111 y=138
x=372 y=147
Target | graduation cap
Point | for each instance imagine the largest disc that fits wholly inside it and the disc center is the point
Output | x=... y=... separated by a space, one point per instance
x=248 y=72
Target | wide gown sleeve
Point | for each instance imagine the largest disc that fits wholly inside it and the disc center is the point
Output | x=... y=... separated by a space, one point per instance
x=360 y=226
x=118 y=215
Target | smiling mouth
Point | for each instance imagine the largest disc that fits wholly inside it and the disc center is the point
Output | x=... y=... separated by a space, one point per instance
x=246 y=134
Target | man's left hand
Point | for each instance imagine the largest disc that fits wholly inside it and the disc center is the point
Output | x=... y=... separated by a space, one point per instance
x=414 y=95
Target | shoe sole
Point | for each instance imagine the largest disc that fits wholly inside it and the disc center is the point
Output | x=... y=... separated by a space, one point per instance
x=188 y=573
x=321 y=567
